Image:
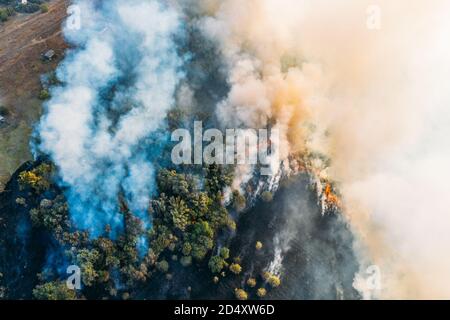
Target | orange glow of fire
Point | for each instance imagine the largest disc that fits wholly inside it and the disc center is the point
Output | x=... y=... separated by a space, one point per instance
x=330 y=196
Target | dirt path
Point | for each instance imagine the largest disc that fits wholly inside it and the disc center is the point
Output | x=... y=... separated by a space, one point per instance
x=22 y=40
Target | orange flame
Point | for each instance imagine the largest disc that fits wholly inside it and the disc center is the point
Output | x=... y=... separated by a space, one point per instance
x=330 y=197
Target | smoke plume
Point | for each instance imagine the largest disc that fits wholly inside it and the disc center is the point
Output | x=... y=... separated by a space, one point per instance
x=372 y=100
x=103 y=126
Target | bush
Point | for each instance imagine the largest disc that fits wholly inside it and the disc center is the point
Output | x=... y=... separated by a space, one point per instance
x=251 y=282
x=5 y=13
x=274 y=281
x=44 y=94
x=235 y=268
x=261 y=292
x=44 y=8
x=267 y=196
x=3 y=16
x=240 y=294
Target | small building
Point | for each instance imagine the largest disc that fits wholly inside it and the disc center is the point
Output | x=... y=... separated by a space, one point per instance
x=2 y=119
x=49 y=55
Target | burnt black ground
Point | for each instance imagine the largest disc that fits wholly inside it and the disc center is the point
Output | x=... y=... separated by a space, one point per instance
x=318 y=262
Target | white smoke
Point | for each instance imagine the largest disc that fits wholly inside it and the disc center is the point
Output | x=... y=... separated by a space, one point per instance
x=104 y=145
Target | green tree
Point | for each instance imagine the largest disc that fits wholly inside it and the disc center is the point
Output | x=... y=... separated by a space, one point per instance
x=87 y=260
x=54 y=291
x=216 y=264
x=179 y=212
x=201 y=237
x=225 y=253
x=187 y=249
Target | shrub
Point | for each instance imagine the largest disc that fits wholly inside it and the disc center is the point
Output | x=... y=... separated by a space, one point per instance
x=267 y=196
x=240 y=294
x=5 y=13
x=261 y=292
x=274 y=281
x=3 y=16
x=44 y=94
x=235 y=268
x=44 y=8
x=251 y=282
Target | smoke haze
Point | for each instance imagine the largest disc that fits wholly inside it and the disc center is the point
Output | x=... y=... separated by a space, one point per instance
x=374 y=101
x=378 y=102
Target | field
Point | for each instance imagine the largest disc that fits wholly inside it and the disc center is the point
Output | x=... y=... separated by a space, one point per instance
x=23 y=39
